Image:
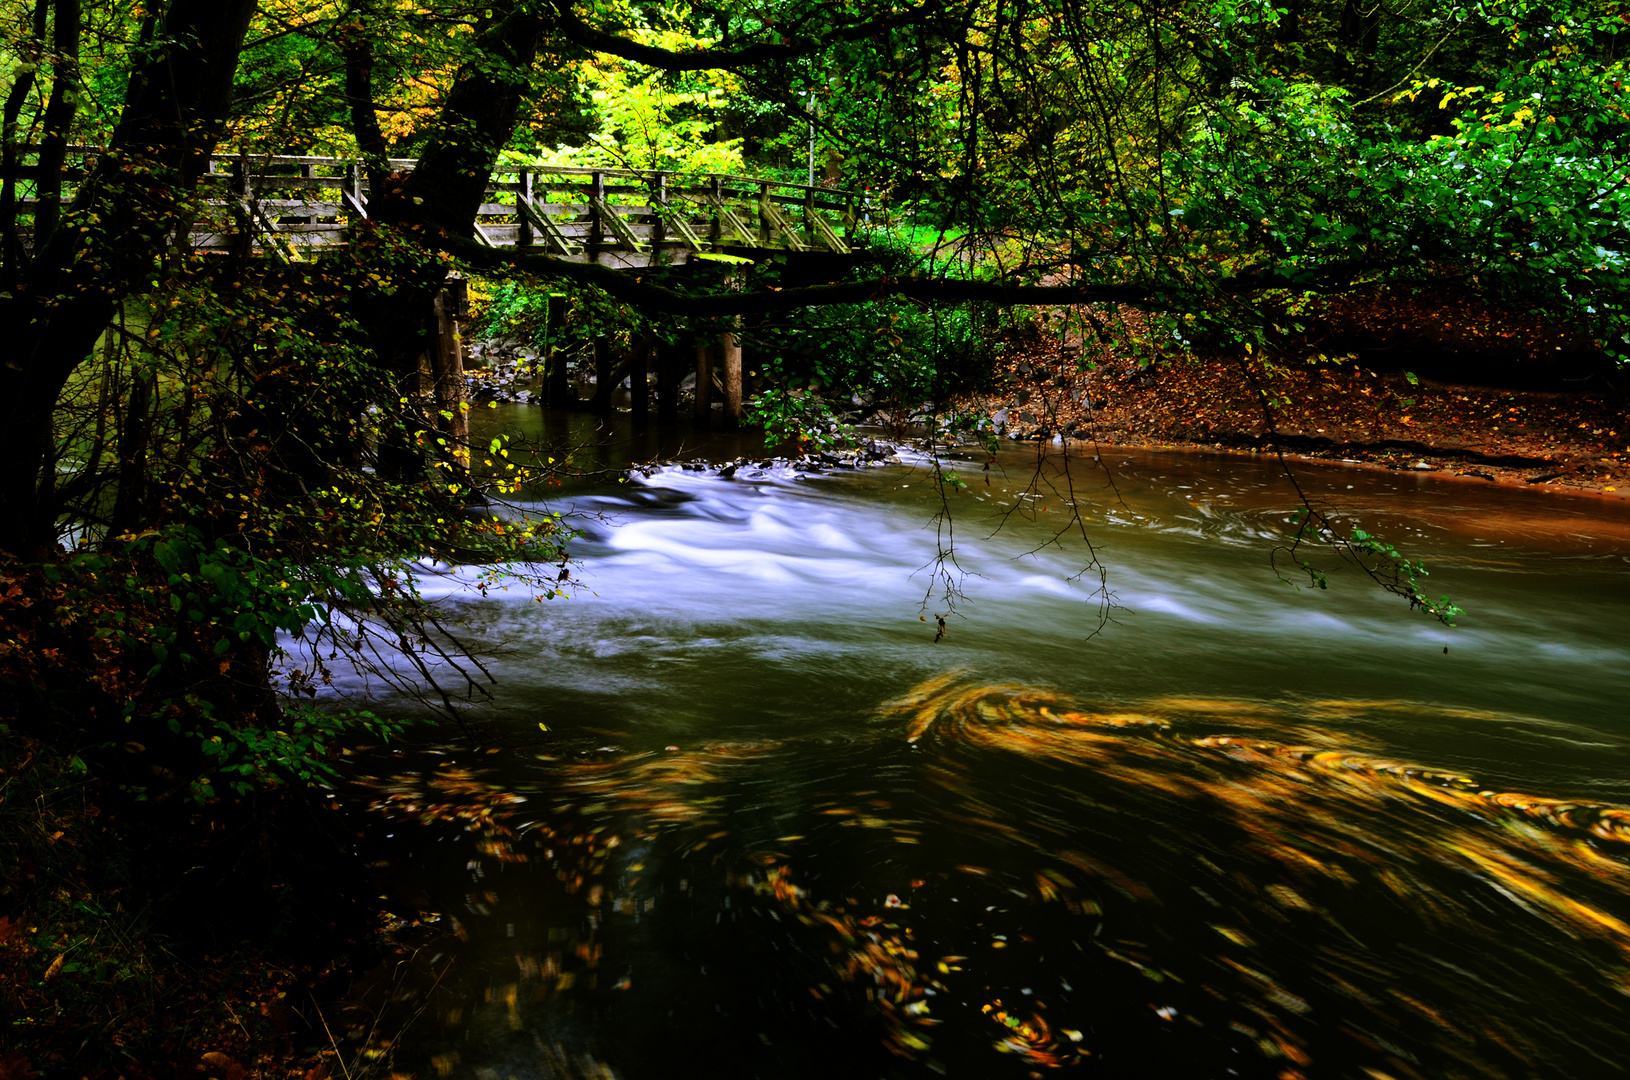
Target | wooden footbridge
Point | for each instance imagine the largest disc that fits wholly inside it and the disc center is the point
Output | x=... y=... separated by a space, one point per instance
x=292 y=207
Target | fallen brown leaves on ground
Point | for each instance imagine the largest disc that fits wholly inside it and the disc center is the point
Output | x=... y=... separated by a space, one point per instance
x=1330 y=408
x=90 y=987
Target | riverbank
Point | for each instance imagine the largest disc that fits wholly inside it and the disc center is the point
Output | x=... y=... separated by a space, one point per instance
x=142 y=942
x=1577 y=441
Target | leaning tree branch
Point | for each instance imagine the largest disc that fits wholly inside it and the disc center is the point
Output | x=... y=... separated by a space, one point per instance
x=637 y=289
x=572 y=27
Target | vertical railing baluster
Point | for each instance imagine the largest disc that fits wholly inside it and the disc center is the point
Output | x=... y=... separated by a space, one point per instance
x=716 y=187
x=659 y=209
x=597 y=227
x=523 y=198
x=355 y=182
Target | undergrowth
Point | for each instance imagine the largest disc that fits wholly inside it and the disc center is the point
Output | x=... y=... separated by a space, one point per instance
x=109 y=964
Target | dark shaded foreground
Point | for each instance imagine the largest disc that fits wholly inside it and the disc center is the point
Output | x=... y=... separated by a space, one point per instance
x=1001 y=882
x=145 y=940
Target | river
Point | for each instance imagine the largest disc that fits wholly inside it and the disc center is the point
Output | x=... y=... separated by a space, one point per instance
x=735 y=811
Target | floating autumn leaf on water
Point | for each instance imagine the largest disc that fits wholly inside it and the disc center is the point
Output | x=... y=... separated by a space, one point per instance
x=1028 y=1035
x=1274 y=836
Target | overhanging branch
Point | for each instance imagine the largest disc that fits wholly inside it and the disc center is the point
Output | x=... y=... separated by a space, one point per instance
x=575 y=30
x=633 y=287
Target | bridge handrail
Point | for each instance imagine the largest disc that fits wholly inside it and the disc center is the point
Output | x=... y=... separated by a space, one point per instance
x=754 y=210
x=302 y=160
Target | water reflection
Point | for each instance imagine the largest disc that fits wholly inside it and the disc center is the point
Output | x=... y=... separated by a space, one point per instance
x=603 y=445
x=1004 y=881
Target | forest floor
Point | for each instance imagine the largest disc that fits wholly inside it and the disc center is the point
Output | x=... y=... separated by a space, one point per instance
x=1577 y=440
x=127 y=950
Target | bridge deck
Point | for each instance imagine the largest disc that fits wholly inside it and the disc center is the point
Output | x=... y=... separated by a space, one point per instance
x=292 y=207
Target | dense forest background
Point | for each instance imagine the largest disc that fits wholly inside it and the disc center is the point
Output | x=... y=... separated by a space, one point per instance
x=205 y=452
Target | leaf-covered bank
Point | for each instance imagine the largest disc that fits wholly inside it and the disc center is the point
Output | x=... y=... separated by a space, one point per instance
x=142 y=942
x=1413 y=405
x=172 y=902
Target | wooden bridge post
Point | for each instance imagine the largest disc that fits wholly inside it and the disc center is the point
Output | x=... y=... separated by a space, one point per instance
x=704 y=383
x=523 y=221
x=766 y=231
x=638 y=366
x=659 y=208
x=354 y=189
x=809 y=218
x=601 y=402
x=307 y=172
x=717 y=190
x=668 y=373
x=243 y=244
x=557 y=384
x=558 y=392
x=730 y=351
x=597 y=227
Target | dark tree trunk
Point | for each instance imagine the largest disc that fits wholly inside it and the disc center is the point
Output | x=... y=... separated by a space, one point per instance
x=449 y=183
x=131 y=203
x=59 y=118
x=11 y=247
x=359 y=97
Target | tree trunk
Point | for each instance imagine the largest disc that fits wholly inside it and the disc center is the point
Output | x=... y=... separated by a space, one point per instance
x=452 y=401
x=59 y=118
x=130 y=205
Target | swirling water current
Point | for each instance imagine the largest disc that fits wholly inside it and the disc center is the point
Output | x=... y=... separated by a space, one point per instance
x=737 y=813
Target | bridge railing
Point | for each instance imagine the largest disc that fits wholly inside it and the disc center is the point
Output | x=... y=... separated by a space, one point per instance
x=286 y=205
x=574 y=209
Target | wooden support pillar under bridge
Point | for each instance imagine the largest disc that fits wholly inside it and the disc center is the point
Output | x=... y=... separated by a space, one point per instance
x=449 y=395
x=704 y=383
x=669 y=372
x=719 y=367
x=730 y=355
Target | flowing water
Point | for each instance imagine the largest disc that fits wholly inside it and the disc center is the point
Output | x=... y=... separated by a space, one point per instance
x=774 y=828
